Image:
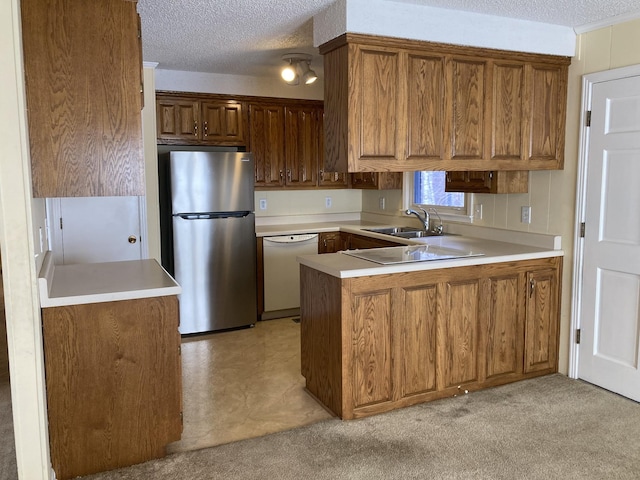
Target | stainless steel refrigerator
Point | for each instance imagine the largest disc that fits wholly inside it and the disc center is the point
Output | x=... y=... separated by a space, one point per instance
x=213 y=238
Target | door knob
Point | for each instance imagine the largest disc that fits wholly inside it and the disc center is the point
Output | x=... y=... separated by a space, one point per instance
x=132 y=239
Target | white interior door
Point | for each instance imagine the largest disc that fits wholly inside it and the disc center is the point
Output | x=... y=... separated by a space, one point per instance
x=610 y=306
x=95 y=229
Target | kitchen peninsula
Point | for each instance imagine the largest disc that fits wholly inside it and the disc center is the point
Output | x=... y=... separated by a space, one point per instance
x=378 y=337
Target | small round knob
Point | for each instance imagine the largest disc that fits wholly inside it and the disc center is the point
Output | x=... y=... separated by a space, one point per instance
x=132 y=239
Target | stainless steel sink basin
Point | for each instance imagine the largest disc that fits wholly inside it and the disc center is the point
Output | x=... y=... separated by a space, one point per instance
x=393 y=230
x=404 y=232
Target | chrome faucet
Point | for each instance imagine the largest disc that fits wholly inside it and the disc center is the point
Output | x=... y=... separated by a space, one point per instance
x=438 y=228
x=424 y=219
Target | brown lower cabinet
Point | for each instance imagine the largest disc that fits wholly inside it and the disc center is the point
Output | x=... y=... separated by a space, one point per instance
x=376 y=343
x=331 y=242
x=114 y=383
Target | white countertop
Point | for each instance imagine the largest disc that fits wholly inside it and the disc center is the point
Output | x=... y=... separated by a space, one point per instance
x=346 y=266
x=61 y=285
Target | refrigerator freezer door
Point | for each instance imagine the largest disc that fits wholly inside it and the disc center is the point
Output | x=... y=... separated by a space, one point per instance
x=215 y=263
x=211 y=181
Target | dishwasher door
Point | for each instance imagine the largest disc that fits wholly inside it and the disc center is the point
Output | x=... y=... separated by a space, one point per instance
x=282 y=271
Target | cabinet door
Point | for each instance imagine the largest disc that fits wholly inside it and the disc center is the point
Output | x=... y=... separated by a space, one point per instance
x=114 y=383
x=363 y=242
x=177 y=119
x=371 y=348
x=82 y=71
x=541 y=335
x=504 y=332
x=545 y=120
x=507 y=121
x=459 y=330
x=376 y=106
x=415 y=350
x=302 y=138
x=222 y=123
x=467 y=109
x=330 y=242
x=425 y=107
x=488 y=182
x=267 y=144
x=333 y=179
x=377 y=180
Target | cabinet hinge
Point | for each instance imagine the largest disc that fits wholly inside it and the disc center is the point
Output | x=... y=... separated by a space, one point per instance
x=578 y=336
x=60 y=223
x=582 y=230
x=588 y=118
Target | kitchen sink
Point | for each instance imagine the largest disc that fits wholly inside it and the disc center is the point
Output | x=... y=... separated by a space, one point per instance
x=404 y=232
x=393 y=230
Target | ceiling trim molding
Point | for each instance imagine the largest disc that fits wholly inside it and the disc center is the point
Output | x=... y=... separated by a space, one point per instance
x=417 y=22
x=607 y=22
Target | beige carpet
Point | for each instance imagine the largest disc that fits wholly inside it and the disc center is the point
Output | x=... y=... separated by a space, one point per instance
x=546 y=428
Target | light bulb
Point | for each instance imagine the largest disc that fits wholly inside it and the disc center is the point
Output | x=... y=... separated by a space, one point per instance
x=288 y=73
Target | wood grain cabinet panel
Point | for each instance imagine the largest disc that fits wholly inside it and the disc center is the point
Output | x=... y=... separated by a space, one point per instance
x=177 y=119
x=82 y=63
x=516 y=181
x=200 y=120
x=426 y=110
x=416 y=354
x=371 y=348
x=375 y=343
x=267 y=144
x=504 y=326
x=330 y=242
x=459 y=330
x=467 y=109
x=302 y=145
x=394 y=105
x=541 y=336
x=546 y=112
x=113 y=376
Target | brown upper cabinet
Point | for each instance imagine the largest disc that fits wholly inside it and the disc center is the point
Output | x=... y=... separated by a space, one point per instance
x=83 y=74
x=195 y=120
x=286 y=141
x=405 y=105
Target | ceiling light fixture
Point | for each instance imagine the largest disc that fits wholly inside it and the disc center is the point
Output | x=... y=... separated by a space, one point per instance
x=299 y=66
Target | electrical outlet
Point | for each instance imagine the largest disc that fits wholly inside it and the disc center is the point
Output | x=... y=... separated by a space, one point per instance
x=525 y=214
x=477 y=211
x=263 y=204
x=327 y=202
x=381 y=203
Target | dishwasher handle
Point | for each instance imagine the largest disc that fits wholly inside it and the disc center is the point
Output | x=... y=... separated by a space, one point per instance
x=292 y=238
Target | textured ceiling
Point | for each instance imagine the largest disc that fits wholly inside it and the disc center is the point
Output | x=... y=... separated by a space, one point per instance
x=248 y=37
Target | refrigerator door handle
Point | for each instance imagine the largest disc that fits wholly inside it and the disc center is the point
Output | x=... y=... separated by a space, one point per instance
x=209 y=216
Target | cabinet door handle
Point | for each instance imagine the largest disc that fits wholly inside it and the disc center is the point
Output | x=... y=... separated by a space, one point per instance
x=281 y=175
x=532 y=287
x=195 y=128
x=289 y=174
x=206 y=129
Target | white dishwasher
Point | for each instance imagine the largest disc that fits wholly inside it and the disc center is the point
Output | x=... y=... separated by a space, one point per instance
x=282 y=271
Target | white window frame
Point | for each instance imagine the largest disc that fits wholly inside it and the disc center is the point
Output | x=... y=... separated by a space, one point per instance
x=452 y=214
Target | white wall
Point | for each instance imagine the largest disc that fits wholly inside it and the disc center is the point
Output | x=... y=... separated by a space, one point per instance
x=20 y=218
x=237 y=84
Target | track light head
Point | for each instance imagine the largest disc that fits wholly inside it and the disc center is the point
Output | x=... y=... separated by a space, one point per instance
x=298 y=67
